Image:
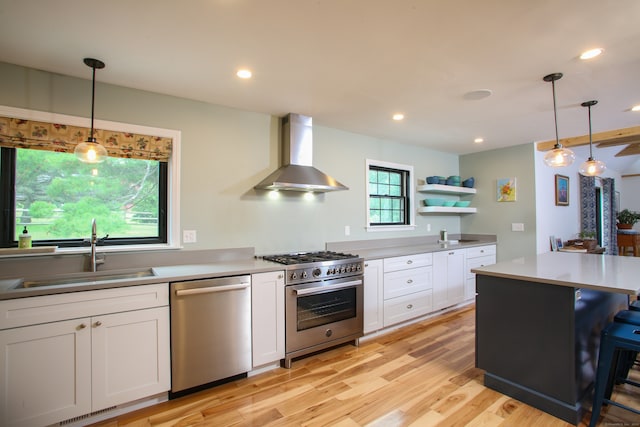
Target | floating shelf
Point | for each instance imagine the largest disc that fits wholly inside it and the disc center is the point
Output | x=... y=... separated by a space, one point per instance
x=445 y=189
x=443 y=209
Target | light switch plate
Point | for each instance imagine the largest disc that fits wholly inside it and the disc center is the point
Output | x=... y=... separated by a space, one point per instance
x=517 y=226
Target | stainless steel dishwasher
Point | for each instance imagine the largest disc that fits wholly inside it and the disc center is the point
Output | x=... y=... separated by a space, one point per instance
x=210 y=331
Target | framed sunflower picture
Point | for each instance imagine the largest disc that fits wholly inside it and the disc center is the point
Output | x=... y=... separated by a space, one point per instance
x=506 y=190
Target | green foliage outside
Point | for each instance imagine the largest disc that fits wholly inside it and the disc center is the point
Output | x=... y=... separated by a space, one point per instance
x=57 y=196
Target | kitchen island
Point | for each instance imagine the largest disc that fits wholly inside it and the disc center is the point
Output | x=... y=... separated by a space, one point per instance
x=538 y=324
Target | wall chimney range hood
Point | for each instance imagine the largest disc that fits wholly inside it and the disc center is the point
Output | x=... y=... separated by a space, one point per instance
x=297 y=172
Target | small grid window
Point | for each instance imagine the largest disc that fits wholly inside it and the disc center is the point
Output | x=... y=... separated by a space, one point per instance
x=389 y=201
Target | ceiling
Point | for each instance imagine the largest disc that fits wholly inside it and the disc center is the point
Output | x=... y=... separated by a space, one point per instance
x=351 y=64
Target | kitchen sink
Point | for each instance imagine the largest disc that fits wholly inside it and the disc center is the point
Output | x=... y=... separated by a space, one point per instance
x=77 y=278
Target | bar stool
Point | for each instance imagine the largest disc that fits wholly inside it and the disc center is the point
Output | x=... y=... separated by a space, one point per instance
x=635 y=305
x=615 y=337
x=625 y=359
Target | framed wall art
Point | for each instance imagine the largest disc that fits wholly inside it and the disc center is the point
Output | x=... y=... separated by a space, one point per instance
x=506 y=190
x=562 y=190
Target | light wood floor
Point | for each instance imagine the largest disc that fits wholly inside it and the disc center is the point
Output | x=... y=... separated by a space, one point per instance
x=420 y=375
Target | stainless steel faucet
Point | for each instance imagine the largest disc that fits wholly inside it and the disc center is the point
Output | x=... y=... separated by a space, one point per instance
x=93 y=259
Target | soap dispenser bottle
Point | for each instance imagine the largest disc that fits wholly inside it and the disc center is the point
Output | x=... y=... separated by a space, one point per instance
x=24 y=240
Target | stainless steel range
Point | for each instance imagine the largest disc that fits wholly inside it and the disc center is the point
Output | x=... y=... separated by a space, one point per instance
x=323 y=301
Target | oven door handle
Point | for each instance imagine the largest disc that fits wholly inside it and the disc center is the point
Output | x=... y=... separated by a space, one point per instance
x=334 y=287
x=211 y=289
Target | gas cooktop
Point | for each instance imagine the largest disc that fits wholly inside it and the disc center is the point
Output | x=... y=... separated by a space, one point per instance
x=309 y=257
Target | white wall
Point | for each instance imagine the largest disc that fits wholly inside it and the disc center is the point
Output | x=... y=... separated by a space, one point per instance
x=558 y=221
x=630 y=195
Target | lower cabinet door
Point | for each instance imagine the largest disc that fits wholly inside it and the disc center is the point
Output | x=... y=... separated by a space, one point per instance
x=407 y=307
x=130 y=356
x=267 y=317
x=45 y=373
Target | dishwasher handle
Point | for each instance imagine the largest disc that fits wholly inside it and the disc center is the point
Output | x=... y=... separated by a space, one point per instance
x=212 y=289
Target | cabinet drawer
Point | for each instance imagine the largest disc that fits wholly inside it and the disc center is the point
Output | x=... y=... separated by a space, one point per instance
x=408 y=261
x=479 y=262
x=407 y=307
x=481 y=251
x=406 y=282
x=51 y=308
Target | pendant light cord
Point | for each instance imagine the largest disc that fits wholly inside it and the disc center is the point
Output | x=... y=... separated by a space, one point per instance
x=555 y=112
x=93 y=97
x=590 y=142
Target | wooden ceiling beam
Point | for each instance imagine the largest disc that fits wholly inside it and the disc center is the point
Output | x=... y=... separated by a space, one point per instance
x=629 y=150
x=623 y=140
x=608 y=137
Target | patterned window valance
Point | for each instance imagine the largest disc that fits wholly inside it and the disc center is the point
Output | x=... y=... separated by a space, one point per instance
x=20 y=133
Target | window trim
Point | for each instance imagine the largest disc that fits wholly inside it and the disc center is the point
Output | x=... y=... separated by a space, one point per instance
x=410 y=196
x=173 y=168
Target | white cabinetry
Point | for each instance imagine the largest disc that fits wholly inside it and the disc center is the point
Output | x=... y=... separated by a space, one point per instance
x=478 y=256
x=407 y=287
x=373 y=295
x=267 y=320
x=448 y=278
x=67 y=355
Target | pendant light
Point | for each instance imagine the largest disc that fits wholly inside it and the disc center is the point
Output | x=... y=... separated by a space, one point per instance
x=91 y=151
x=591 y=167
x=559 y=156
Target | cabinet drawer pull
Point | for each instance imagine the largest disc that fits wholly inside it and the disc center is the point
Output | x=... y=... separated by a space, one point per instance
x=450 y=253
x=410 y=281
x=409 y=306
x=98 y=323
x=481 y=251
x=82 y=326
x=409 y=261
x=366 y=264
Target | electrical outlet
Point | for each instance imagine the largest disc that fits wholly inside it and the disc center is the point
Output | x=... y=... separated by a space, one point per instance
x=347 y=230
x=428 y=227
x=189 y=236
x=517 y=226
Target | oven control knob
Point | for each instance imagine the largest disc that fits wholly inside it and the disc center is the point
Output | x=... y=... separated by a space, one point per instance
x=304 y=274
x=340 y=270
x=317 y=272
x=359 y=267
x=294 y=276
x=328 y=333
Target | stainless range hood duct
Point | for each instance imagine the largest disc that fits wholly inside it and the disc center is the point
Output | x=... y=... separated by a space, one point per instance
x=297 y=172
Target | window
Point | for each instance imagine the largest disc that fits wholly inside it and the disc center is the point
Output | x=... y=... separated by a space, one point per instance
x=389 y=190
x=56 y=196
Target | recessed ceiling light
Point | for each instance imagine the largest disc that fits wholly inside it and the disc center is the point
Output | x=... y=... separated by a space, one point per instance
x=398 y=116
x=635 y=108
x=244 y=73
x=478 y=140
x=591 y=53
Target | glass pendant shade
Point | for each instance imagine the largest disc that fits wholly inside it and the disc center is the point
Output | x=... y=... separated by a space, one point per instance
x=591 y=167
x=559 y=157
x=90 y=151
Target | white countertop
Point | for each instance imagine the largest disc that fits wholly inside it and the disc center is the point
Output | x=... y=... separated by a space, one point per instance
x=607 y=273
